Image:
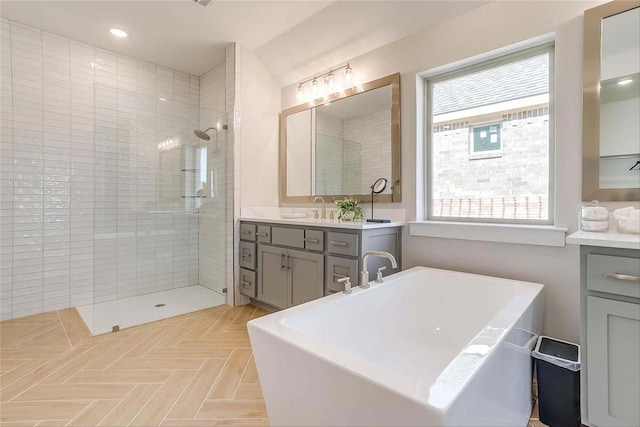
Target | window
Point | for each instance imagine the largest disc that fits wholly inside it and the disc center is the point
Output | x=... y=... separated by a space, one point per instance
x=490 y=140
x=485 y=138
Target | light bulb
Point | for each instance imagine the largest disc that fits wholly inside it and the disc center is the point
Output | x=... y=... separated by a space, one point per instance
x=348 y=74
x=330 y=80
x=300 y=95
x=314 y=88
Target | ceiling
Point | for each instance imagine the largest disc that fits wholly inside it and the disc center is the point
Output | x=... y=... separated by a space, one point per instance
x=294 y=39
x=347 y=29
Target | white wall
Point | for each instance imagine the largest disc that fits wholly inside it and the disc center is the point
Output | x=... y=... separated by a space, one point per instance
x=463 y=37
x=259 y=109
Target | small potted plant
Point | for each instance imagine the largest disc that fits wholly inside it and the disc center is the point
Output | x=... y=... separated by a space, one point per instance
x=349 y=210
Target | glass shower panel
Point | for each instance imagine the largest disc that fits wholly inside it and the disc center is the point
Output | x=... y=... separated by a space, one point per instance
x=211 y=187
x=146 y=223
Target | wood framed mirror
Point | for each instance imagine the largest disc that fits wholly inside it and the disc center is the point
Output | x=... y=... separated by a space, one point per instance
x=336 y=147
x=611 y=102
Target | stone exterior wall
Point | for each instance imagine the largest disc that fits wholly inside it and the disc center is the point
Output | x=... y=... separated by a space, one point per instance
x=511 y=183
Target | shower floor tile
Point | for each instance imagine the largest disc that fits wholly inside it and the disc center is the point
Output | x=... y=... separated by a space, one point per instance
x=123 y=313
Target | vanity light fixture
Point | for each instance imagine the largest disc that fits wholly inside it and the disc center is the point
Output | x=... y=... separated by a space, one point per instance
x=330 y=85
x=625 y=82
x=118 y=32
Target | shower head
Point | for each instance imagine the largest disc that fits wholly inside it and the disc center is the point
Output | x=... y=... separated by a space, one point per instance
x=203 y=134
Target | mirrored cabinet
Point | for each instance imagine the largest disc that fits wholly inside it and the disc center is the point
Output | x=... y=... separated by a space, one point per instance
x=611 y=102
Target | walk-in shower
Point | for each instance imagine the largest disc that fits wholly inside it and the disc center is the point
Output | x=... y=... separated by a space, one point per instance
x=110 y=203
x=149 y=243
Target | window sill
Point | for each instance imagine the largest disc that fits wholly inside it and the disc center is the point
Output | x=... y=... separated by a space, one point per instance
x=496 y=154
x=541 y=235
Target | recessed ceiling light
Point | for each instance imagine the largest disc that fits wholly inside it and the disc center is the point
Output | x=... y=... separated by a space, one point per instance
x=118 y=32
x=625 y=82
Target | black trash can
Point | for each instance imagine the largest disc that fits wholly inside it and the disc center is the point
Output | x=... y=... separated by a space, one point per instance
x=558 y=372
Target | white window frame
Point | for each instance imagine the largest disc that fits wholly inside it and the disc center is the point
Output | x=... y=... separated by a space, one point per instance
x=549 y=48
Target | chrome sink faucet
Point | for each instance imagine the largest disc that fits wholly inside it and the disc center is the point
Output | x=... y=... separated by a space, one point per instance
x=364 y=274
x=324 y=210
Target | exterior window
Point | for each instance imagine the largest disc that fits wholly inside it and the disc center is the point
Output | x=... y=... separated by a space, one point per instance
x=485 y=138
x=490 y=141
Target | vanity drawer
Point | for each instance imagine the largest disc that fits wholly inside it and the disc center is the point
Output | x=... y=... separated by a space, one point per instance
x=338 y=268
x=248 y=255
x=248 y=232
x=613 y=274
x=314 y=240
x=263 y=235
x=342 y=243
x=292 y=237
x=248 y=282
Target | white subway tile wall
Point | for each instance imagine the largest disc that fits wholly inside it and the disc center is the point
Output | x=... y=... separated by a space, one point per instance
x=373 y=131
x=329 y=147
x=92 y=209
x=342 y=165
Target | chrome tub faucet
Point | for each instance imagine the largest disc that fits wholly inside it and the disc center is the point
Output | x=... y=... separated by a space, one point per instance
x=364 y=274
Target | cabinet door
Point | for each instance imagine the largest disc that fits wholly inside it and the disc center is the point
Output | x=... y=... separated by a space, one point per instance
x=272 y=276
x=613 y=371
x=306 y=276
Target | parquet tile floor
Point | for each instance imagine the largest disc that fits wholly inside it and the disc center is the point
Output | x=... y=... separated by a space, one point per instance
x=192 y=370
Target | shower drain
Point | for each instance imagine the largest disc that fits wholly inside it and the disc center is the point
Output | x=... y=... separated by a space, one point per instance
x=159 y=305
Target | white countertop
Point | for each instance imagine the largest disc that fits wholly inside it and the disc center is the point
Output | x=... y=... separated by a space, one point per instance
x=332 y=223
x=608 y=240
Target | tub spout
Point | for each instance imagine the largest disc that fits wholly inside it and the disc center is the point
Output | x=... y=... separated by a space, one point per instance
x=364 y=274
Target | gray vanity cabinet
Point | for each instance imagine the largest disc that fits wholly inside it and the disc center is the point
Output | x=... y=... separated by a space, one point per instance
x=610 y=336
x=284 y=265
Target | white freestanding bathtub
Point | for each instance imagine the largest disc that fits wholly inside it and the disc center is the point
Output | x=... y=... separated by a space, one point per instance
x=426 y=347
